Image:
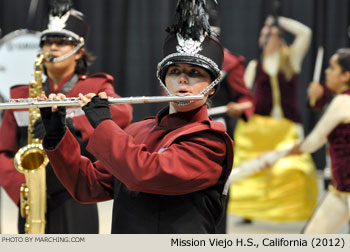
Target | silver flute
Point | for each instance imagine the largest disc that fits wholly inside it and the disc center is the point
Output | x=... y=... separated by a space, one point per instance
x=73 y=101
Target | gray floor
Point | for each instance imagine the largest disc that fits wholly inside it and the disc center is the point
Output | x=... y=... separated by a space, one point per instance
x=258 y=227
x=9 y=220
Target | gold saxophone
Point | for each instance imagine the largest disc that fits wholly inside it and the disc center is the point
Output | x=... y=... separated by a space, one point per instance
x=31 y=160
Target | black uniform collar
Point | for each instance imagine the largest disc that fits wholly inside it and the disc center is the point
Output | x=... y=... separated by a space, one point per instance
x=179 y=119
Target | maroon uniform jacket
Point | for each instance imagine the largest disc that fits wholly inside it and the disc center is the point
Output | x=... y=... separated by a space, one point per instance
x=10 y=131
x=166 y=174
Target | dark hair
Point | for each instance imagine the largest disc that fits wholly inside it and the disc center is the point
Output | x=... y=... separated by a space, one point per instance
x=344 y=59
x=84 y=62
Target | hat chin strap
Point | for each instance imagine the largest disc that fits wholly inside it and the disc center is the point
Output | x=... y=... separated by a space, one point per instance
x=204 y=91
x=212 y=85
x=63 y=57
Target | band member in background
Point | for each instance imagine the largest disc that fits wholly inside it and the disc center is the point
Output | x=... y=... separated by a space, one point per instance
x=232 y=92
x=167 y=174
x=288 y=191
x=334 y=125
x=64 y=39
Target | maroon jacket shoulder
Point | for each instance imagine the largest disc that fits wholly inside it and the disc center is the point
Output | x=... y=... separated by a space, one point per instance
x=19 y=91
x=231 y=60
x=102 y=75
x=93 y=84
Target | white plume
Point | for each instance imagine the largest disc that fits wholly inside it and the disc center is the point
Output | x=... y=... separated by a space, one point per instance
x=57 y=23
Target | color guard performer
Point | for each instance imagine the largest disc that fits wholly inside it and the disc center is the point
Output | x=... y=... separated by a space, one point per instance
x=334 y=126
x=288 y=191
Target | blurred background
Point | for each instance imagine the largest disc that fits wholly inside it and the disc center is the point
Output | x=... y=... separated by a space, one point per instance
x=126 y=36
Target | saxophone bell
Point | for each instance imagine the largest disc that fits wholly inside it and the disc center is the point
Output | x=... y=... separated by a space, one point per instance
x=30 y=158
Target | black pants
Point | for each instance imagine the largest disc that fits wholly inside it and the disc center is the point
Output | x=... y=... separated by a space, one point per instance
x=66 y=216
x=221 y=227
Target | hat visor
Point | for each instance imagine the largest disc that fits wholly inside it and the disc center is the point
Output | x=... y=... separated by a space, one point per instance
x=57 y=36
x=187 y=60
x=62 y=33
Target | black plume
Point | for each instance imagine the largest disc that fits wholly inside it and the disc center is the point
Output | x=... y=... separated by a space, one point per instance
x=192 y=19
x=60 y=7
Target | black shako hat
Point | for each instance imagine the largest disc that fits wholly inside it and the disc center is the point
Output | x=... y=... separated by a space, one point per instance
x=65 y=22
x=191 y=41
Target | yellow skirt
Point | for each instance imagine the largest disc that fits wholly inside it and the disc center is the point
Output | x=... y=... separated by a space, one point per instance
x=285 y=192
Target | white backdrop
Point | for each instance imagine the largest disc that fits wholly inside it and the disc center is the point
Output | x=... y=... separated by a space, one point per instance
x=18 y=51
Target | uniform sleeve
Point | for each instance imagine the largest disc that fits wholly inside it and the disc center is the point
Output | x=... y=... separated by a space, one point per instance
x=336 y=113
x=121 y=114
x=192 y=163
x=234 y=67
x=10 y=178
x=87 y=182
